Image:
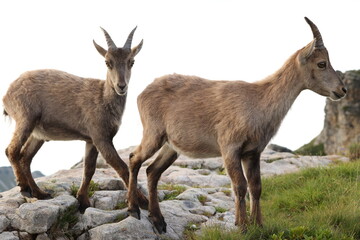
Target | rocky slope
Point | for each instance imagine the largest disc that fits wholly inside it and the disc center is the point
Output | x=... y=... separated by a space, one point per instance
x=206 y=199
x=342 y=118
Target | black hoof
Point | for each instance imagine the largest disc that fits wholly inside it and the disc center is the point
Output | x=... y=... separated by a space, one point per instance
x=26 y=194
x=159 y=224
x=82 y=208
x=41 y=195
x=134 y=213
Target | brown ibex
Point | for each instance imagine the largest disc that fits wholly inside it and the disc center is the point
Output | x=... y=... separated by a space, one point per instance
x=233 y=119
x=54 y=105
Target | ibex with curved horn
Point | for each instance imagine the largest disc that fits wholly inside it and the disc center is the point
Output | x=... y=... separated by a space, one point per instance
x=54 y=105
x=233 y=119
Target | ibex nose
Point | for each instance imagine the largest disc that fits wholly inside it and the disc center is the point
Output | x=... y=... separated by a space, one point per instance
x=344 y=89
x=122 y=86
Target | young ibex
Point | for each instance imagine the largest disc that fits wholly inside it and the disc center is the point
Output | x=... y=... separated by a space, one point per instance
x=232 y=119
x=54 y=105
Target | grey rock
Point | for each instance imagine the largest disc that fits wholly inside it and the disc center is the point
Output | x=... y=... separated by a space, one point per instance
x=95 y=217
x=40 y=216
x=43 y=236
x=35 y=217
x=111 y=184
x=129 y=228
x=278 y=148
x=4 y=222
x=107 y=200
x=342 y=118
x=25 y=236
x=9 y=236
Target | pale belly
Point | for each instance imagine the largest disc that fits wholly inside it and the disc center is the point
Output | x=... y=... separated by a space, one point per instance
x=58 y=134
x=196 y=150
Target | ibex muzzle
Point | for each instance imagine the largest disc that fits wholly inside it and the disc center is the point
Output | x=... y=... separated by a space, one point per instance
x=119 y=61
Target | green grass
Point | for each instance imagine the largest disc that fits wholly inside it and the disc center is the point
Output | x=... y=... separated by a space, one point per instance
x=221 y=209
x=175 y=190
x=202 y=199
x=319 y=203
x=93 y=187
x=354 y=151
x=311 y=149
x=121 y=205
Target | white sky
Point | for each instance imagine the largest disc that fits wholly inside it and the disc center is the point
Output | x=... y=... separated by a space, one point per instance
x=230 y=40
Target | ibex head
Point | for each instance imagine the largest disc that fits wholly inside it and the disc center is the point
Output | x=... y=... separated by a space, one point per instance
x=318 y=73
x=119 y=61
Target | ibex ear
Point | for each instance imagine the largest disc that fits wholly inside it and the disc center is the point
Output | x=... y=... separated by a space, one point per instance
x=100 y=49
x=137 y=49
x=306 y=52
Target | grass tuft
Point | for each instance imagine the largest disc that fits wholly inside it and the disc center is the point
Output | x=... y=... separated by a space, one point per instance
x=93 y=187
x=175 y=190
x=354 y=151
x=311 y=149
x=314 y=204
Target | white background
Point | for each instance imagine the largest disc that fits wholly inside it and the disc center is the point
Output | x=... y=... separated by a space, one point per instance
x=230 y=40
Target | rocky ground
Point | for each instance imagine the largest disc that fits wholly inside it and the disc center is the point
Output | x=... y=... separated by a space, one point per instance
x=206 y=199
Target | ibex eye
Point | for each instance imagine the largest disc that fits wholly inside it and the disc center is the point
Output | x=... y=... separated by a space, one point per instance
x=108 y=64
x=321 y=64
x=131 y=63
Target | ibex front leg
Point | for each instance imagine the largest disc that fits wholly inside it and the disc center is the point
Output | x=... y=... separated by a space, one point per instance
x=113 y=159
x=91 y=154
x=239 y=184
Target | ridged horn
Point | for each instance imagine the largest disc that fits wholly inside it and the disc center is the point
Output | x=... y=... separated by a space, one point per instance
x=109 y=41
x=316 y=34
x=128 y=42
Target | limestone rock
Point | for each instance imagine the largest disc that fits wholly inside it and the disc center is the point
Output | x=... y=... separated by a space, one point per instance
x=207 y=200
x=342 y=118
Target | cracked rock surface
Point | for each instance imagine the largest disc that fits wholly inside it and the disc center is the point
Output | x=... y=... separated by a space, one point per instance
x=206 y=199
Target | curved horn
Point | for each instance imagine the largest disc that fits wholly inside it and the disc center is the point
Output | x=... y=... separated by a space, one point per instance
x=316 y=34
x=109 y=41
x=129 y=39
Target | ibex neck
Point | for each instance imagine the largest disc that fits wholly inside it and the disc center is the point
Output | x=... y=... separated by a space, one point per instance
x=114 y=102
x=282 y=88
x=279 y=92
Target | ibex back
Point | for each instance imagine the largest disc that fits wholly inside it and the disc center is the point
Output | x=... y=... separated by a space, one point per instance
x=54 y=105
x=233 y=119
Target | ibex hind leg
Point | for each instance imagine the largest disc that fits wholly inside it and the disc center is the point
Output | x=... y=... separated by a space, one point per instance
x=251 y=165
x=22 y=132
x=29 y=150
x=165 y=158
x=150 y=144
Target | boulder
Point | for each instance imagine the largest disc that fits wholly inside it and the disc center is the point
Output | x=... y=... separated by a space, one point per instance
x=342 y=118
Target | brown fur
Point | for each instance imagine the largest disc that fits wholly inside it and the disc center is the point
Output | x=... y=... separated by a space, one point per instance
x=55 y=105
x=233 y=119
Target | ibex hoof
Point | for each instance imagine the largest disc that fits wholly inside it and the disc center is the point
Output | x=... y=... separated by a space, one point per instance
x=41 y=195
x=134 y=213
x=159 y=224
x=82 y=208
x=26 y=194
